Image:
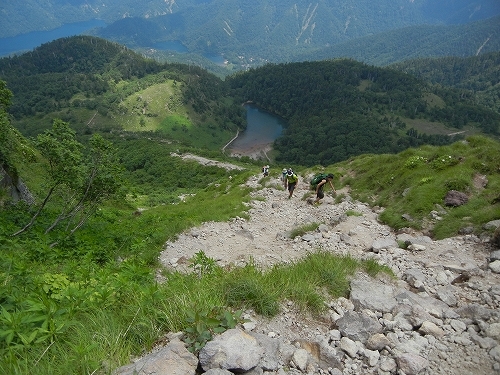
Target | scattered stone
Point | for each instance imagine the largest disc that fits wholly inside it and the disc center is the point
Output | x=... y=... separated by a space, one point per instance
x=411 y=364
x=455 y=198
x=172 y=359
x=495 y=266
x=439 y=315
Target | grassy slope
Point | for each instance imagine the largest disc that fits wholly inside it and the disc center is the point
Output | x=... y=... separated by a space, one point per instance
x=99 y=292
x=416 y=181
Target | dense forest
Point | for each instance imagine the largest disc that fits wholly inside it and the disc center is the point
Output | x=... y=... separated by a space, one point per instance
x=90 y=73
x=340 y=108
x=478 y=74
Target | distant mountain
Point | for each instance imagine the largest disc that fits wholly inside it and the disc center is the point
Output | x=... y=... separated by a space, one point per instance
x=416 y=42
x=276 y=30
x=215 y=25
x=35 y=15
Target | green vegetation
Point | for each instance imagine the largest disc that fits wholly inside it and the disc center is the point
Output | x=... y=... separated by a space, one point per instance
x=414 y=42
x=341 y=108
x=101 y=86
x=477 y=74
x=300 y=231
x=81 y=288
x=415 y=182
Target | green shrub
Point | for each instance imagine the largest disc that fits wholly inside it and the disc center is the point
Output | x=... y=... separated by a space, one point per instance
x=415 y=161
x=300 y=231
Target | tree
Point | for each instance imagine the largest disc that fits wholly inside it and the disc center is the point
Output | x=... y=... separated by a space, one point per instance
x=102 y=180
x=64 y=162
x=13 y=146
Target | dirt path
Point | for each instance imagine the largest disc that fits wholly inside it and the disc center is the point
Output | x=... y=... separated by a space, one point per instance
x=265 y=239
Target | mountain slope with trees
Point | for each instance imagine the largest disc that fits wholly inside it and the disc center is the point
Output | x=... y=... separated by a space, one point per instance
x=422 y=41
x=477 y=74
x=334 y=109
x=81 y=286
x=340 y=108
x=96 y=84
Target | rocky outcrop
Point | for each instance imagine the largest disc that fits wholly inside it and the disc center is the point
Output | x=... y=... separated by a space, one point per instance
x=16 y=189
x=405 y=332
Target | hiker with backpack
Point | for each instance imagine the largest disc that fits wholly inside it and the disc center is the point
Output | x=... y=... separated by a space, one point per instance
x=319 y=182
x=291 y=179
x=265 y=170
x=283 y=178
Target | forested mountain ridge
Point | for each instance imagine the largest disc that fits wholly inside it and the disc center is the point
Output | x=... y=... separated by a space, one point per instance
x=82 y=77
x=334 y=109
x=479 y=74
x=341 y=108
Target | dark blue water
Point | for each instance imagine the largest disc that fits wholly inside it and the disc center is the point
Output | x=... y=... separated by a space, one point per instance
x=27 y=42
x=262 y=129
x=175 y=46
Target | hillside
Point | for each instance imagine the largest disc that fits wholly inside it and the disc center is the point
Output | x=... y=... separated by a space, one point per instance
x=346 y=227
x=98 y=85
x=429 y=41
x=351 y=108
x=340 y=108
x=106 y=279
x=82 y=286
x=478 y=74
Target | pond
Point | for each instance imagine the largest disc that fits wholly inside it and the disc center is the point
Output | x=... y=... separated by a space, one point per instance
x=263 y=128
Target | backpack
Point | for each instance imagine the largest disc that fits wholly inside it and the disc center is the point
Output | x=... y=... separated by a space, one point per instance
x=317 y=179
x=291 y=179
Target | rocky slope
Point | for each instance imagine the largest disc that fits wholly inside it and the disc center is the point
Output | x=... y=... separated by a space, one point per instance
x=441 y=315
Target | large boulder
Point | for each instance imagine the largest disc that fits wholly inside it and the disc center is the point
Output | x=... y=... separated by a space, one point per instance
x=234 y=350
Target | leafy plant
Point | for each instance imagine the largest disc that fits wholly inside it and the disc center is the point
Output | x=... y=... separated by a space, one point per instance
x=204 y=324
x=202 y=264
x=353 y=213
x=415 y=161
x=442 y=162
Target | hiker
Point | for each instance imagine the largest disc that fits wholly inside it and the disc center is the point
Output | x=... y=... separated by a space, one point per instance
x=265 y=170
x=283 y=178
x=321 y=184
x=291 y=179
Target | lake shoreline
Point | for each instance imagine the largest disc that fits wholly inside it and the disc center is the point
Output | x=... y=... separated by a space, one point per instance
x=256 y=152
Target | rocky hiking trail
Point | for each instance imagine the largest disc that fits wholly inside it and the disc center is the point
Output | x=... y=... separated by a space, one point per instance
x=440 y=316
